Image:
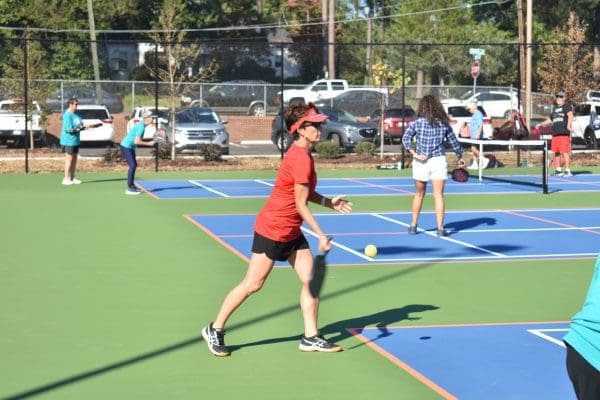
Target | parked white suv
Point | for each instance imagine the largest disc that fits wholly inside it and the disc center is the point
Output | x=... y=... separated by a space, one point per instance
x=96 y=114
x=586 y=124
x=136 y=116
x=497 y=103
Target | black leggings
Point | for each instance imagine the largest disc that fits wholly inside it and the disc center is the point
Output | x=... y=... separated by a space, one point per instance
x=129 y=155
x=585 y=378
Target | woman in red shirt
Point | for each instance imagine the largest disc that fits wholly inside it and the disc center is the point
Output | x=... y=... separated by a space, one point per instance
x=277 y=234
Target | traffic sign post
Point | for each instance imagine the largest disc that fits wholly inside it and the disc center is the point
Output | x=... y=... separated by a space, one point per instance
x=475 y=68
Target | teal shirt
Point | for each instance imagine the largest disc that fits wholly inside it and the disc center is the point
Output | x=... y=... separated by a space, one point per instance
x=137 y=130
x=584 y=335
x=70 y=121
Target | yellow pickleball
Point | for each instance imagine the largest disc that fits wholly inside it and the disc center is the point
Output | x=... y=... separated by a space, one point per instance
x=370 y=250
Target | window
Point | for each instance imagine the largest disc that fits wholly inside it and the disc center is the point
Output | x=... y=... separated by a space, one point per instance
x=93 y=114
x=337 y=86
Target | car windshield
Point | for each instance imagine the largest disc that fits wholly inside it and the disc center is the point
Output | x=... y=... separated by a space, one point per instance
x=195 y=117
x=92 y=114
x=339 y=115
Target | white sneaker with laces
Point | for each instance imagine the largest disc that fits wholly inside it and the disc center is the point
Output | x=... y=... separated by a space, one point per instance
x=67 y=181
x=76 y=181
x=567 y=173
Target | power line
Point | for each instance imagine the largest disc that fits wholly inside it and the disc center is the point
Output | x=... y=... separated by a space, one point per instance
x=259 y=26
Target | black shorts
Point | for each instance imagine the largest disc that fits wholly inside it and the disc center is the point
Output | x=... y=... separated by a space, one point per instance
x=70 y=149
x=584 y=377
x=279 y=251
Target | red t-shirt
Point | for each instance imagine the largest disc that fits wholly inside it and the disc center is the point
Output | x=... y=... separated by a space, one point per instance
x=279 y=219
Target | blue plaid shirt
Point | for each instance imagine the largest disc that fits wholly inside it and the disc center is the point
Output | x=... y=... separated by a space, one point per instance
x=430 y=139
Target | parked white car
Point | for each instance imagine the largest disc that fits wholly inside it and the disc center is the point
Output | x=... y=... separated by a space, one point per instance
x=459 y=116
x=12 y=122
x=96 y=114
x=136 y=116
x=497 y=103
x=586 y=124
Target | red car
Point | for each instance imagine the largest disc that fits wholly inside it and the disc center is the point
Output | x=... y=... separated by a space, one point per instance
x=395 y=121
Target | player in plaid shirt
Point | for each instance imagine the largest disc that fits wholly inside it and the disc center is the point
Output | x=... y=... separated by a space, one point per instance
x=431 y=130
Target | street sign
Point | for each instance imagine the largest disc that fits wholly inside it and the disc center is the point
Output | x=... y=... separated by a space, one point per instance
x=475 y=69
x=476 y=53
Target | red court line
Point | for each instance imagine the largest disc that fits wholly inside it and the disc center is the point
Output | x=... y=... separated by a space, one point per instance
x=217 y=238
x=549 y=221
x=377 y=186
x=411 y=371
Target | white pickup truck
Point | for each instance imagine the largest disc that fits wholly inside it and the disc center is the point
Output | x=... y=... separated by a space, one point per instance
x=12 y=122
x=586 y=124
x=317 y=90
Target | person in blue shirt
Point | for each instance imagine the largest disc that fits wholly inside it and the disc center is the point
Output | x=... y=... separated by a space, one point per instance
x=476 y=128
x=583 y=344
x=431 y=130
x=128 y=145
x=72 y=125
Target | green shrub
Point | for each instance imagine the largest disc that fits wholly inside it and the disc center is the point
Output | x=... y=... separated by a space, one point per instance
x=328 y=150
x=113 y=155
x=210 y=152
x=164 y=150
x=365 y=148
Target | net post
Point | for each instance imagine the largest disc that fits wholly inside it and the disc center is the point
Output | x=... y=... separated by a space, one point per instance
x=545 y=168
x=479 y=166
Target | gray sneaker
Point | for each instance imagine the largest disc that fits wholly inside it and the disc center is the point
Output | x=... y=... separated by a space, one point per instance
x=215 y=339
x=318 y=343
x=412 y=230
x=442 y=232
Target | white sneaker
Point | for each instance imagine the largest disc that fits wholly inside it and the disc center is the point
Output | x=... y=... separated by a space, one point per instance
x=67 y=181
x=76 y=181
x=473 y=166
x=567 y=173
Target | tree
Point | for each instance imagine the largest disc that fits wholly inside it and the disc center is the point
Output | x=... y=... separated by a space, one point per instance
x=179 y=57
x=568 y=64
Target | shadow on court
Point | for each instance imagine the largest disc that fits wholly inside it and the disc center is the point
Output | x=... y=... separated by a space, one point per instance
x=469 y=224
x=336 y=327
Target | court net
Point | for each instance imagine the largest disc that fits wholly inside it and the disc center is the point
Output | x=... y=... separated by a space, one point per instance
x=528 y=153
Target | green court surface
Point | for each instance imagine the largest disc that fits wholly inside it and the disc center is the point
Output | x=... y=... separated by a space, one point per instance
x=103 y=296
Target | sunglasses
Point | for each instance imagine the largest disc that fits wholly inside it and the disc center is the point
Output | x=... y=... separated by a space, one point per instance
x=316 y=125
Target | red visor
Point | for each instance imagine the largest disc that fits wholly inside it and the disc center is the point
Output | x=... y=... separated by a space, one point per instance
x=311 y=116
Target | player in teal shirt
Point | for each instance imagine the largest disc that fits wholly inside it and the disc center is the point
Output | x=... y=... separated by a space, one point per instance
x=583 y=344
x=128 y=145
x=72 y=124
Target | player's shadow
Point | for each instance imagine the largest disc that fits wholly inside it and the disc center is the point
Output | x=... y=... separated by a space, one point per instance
x=337 y=331
x=469 y=224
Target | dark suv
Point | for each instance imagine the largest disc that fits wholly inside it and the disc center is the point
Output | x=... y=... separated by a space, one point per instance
x=236 y=97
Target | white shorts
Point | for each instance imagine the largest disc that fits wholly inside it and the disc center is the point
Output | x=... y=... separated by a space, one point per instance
x=434 y=168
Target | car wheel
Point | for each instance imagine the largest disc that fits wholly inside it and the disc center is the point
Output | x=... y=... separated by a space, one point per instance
x=283 y=141
x=590 y=139
x=335 y=139
x=258 y=110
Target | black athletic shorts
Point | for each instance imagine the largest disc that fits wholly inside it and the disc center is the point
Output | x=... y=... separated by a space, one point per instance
x=584 y=377
x=279 y=251
x=70 y=149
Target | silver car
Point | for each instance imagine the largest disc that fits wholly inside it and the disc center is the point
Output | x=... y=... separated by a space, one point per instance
x=341 y=128
x=198 y=125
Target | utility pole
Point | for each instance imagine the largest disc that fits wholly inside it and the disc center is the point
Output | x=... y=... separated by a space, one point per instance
x=529 y=38
x=324 y=6
x=331 y=37
x=94 y=50
x=521 y=45
x=369 y=48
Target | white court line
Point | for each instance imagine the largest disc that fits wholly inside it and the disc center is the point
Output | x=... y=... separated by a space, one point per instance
x=341 y=246
x=539 y=332
x=264 y=182
x=471 y=258
x=207 y=188
x=444 y=238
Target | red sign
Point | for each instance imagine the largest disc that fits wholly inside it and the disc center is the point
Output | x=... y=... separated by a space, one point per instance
x=475 y=69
